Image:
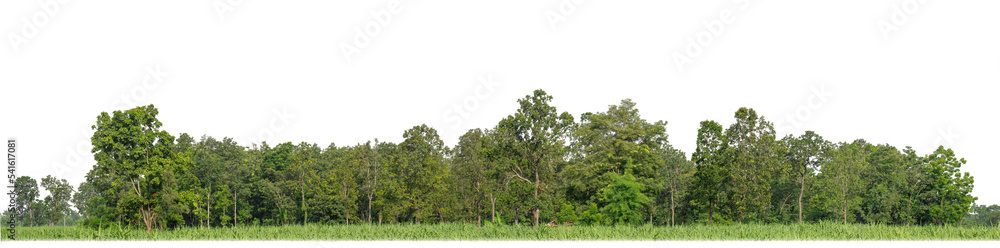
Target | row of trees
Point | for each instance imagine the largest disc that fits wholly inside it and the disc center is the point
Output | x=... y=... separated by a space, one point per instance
x=744 y=172
x=29 y=210
x=535 y=165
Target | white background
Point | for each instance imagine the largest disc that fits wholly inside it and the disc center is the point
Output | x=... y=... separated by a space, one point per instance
x=277 y=70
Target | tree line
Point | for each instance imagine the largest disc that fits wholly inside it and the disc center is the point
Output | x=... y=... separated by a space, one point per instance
x=536 y=165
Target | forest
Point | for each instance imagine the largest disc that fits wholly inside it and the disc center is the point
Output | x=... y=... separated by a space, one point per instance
x=536 y=167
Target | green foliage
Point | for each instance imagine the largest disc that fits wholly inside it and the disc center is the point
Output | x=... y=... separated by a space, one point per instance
x=623 y=200
x=840 y=186
x=676 y=178
x=948 y=193
x=983 y=215
x=751 y=155
x=133 y=154
x=804 y=153
x=711 y=178
x=615 y=142
x=592 y=216
x=532 y=140
x=533 y=164
x=26 y=195
x=567 y=214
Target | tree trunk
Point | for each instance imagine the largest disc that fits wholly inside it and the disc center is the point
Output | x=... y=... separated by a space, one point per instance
x=305 y=212
x=493 y=208
x=802 y=191
x=148 y=217
x=234 y=207
x=517 y=209
x=209 y=206
x=369 y=208
x=535 y=217
x=711 y=211
x=672 y=207
x=845 y=210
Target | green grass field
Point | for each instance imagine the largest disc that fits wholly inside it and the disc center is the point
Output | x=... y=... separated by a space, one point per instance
x=823 y=231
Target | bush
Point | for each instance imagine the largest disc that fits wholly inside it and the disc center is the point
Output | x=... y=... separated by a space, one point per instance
x=567 y=214
x=592 y=216
x=623 y=199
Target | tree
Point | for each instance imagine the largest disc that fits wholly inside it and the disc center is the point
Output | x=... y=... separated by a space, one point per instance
x=617 y=168
x=567 y=214
x=218 y=165
x=623 y=199
x=752 y=157
x=888 y=182
x=83 y=200
x=478 y=179
x=131 y=149
x=424 y=172
x=840 y=183
x=804 y=152
x=614 y=142
x=535 y=134
x=711 y=177
x=60 y=193
x=27 y=193
x=983 y=215
x=676 y=176
x=337 y=194
x=592 y=216
x=301 y=175
x=390 y=200
x=948 y=192
x=368 y=156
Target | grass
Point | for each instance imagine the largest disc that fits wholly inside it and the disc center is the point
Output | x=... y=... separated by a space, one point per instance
x=821 y=231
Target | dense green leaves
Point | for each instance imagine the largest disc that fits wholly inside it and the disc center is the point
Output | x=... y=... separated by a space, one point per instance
x=623 y=199
x=26 y=195
x=537 y=164
x=948 y=190
x=135 y=154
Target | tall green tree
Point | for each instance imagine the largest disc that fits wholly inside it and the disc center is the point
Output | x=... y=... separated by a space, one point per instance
x=60 y=193
x=752 y=157
x=675 y=177
x=26 y=194
x=612 y=143
x=711 y=176
x=367 y=158
x=424 y=173
x=134 y=152
x=478 y=180
x=337 y=191
x=390 y=194
x=805 y=155
x=218 y=165
x=300 y=177
x=82 y=199
x=887 y=184
x=840 y=182
x=536 y=133
x=948 y=192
